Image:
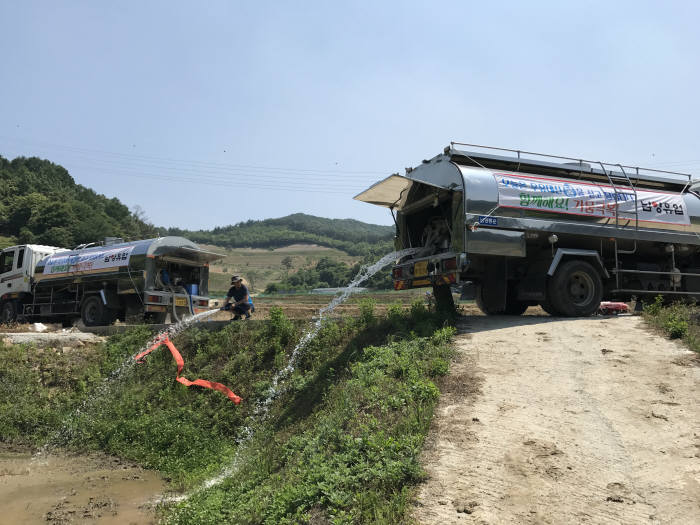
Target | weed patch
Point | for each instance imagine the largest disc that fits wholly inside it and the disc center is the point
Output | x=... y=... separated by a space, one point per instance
x=676 y=321
x=340 y=443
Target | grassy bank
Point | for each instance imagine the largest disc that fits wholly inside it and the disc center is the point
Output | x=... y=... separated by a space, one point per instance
x=676 y=321
x=339 y=445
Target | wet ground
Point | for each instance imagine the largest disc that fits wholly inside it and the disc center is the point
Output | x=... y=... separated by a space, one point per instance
x=62 y=489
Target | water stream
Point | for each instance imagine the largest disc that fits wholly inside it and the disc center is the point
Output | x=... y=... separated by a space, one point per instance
x=262 y=408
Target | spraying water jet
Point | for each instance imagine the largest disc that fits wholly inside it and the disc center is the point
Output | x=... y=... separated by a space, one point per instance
x=262 y=408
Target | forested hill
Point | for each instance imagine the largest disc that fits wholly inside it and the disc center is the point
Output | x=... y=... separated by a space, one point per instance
x=351 y=236
x=41 y=203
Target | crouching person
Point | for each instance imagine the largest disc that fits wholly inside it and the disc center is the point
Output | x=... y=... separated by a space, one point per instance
x=242 y=305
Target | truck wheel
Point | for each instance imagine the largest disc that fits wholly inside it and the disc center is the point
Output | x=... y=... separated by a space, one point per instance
x=485 y=302
x=547 y=307
x=93 y=311
x=8 y=313
x=444 y=302
x=110 y=315
x=576 y=289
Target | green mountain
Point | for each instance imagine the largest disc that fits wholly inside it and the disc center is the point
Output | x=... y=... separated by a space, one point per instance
x=351 y=236
x=41 y=203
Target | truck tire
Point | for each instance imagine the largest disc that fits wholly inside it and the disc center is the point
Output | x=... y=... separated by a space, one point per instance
x=444 y=302
x=485 y=303
x=576 y=289
x=110 y=316
x=547 y=307
x=8 y=312
x=93 y=311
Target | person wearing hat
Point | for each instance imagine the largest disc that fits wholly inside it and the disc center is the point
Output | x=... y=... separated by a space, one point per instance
x=241 y=300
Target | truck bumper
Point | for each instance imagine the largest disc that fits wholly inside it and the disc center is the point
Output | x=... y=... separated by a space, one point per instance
x=435 y=270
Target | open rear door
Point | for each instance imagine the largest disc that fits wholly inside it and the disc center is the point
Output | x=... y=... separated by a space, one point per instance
x=390 y=192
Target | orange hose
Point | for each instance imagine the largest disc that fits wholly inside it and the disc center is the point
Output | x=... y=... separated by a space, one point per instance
x=163 y=339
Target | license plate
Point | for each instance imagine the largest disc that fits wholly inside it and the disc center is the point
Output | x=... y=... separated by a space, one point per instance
x=180 y=301
x=420 y=268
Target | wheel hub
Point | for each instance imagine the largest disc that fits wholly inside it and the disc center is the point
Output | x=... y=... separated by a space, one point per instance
x=581 y=288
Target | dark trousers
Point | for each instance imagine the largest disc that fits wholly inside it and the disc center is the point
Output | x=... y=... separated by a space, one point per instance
x=241 y=309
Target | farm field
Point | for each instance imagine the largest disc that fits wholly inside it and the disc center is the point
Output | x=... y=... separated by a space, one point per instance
x=260 y=267
x=307 y=306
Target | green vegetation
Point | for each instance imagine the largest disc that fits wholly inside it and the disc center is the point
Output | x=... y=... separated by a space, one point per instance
x=261 y=267
x=328 y=273
x=41 y=203
x=340 y=443
x=351 y=236
x=677 y=320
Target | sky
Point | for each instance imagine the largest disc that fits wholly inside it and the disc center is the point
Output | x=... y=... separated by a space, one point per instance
x=205 y=114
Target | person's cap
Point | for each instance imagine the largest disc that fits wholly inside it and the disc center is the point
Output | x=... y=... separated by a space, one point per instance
x=235 y=279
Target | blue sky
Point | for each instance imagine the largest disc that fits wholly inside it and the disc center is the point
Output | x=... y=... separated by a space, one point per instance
x=211 y=113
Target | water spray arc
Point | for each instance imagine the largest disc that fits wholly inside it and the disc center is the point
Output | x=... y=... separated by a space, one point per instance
x=262 y=408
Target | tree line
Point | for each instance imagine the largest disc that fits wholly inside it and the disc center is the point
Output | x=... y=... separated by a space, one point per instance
x=40 y=203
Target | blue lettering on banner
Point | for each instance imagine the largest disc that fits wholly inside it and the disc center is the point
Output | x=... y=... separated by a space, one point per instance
x=488 y=221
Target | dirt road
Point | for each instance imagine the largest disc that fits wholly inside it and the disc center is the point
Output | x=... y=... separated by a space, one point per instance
x=549 y=420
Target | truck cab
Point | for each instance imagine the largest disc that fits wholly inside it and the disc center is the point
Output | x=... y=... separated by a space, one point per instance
x=17 y=264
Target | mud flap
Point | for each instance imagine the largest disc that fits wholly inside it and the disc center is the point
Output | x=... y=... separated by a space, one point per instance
x=494 y=285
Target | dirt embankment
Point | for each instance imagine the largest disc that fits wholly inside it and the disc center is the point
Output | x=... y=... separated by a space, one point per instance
x=565 y=421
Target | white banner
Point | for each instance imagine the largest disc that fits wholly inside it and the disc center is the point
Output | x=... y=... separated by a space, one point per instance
x=589 y=199
x=94 y=259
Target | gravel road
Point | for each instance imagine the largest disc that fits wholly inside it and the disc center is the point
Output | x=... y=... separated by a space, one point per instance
x=546 y=420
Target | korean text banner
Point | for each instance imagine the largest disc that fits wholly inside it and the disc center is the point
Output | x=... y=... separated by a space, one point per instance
x=92 y=260
x=589 y=199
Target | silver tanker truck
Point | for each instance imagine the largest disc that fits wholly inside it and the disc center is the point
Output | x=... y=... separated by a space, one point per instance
x=525 y=229
x=99 y=284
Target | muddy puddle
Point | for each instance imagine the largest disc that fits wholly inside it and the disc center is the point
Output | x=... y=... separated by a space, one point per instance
x=62 y=489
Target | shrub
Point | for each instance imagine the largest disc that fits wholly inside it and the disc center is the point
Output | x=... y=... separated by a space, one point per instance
x=367 y=310
x=653 y=309
x=675 y=325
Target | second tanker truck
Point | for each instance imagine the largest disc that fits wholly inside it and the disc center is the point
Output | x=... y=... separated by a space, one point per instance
x=146 y=279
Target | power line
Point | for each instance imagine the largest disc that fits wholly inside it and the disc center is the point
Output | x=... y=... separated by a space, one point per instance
x=232 y=184
x=96 y=163
x=190 y=161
